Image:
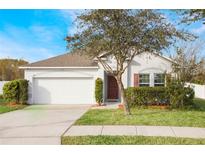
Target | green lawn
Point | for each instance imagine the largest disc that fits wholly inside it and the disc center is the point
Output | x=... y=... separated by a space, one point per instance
x=128 y=140
x=6 y=108
x=1 y=101
x=161 y=117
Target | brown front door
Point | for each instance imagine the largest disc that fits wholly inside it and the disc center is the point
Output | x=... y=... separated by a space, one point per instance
x=112 y=87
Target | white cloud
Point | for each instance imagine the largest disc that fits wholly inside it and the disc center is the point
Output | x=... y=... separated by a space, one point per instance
x=9 y=48
x=72 y=15
x=44 y=33
x=199 y=30
x=36 y=41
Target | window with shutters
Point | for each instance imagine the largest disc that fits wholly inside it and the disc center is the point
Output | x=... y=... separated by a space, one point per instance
x=144 y=80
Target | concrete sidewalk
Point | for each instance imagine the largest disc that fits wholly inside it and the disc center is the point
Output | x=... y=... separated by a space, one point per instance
x=189 y=132
x=39 y=124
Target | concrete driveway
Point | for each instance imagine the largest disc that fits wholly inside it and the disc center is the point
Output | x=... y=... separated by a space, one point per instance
x=38 y=124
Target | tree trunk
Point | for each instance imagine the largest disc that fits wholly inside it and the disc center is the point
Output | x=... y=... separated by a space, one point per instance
x=122 y=94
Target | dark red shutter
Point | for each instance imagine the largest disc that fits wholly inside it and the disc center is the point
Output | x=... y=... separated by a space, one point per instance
x=136 y=80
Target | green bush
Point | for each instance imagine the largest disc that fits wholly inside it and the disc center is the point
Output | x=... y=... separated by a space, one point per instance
x=138 y=96
x=180 y=96
x=16 y=91
x=10 y=91
x=99 y=90
x=23 y=91
x=1 y=96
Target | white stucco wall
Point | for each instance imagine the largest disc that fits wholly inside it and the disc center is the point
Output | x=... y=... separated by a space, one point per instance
x=32 y=74
x=143 y=63
x=148 y=63
x=112 y=63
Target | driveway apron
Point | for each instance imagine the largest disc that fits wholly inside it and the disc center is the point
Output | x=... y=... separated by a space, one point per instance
x=38 y=124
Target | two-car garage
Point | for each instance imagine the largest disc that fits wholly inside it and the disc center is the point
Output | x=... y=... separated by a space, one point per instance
x=62 y=90
x=64 y=79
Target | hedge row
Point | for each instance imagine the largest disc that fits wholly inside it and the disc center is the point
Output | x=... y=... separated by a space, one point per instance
x=16 y=91
x=137 y=96
x=175 y=97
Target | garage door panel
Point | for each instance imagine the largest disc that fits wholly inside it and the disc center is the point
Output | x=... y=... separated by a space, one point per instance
x=63 y=91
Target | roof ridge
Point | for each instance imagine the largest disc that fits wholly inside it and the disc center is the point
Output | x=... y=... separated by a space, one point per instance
x=45 y=59
x=68 y=59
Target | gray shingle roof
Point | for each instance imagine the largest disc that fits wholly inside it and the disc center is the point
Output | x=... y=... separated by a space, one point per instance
x=65 y=60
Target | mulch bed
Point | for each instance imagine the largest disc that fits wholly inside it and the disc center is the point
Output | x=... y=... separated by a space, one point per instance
x=98 y=105
x=152 y=106
x=11 y=104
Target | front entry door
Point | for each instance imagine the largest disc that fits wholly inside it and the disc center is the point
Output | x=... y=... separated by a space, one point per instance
x=112 y=88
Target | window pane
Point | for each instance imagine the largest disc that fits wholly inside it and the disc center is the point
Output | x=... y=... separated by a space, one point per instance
x=159 y=79
x=144 y=80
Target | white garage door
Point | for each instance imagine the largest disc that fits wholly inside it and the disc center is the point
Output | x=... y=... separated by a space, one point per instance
x=63 y=91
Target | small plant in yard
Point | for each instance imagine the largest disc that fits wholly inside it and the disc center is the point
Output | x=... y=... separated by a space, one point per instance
x=99 y=91
x=15 y=95
x=23 y=91
x=10 y=91
x=16 y=91
x=180 y=96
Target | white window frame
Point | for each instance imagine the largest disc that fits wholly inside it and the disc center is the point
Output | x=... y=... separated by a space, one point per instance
x=159 y=83
x=146 y=84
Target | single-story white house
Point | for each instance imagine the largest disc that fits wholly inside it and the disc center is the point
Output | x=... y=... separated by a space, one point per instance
x=70 y=78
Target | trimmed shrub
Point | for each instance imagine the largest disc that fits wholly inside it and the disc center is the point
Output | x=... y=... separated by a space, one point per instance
x=1 y=96
x=23 y=91
x=16 y=91
x=180 y=96
x=99 y=90
x=11 y=92
x=138 y=96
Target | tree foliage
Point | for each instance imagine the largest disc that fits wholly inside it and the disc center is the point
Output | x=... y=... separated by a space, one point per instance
x=9 y=69
x=190 y=66
x=192 y=15
x=121 y=35
x=179 y=95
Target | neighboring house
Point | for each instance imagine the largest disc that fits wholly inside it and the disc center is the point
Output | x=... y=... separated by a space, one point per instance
x=70 y=78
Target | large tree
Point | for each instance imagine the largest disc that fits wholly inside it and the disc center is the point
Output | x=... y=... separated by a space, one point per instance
x=121 y=35
x=192 y=15
x=190 y=65
x=9 y=69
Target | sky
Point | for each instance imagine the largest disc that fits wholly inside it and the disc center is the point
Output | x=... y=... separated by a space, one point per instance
x=34 y=35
